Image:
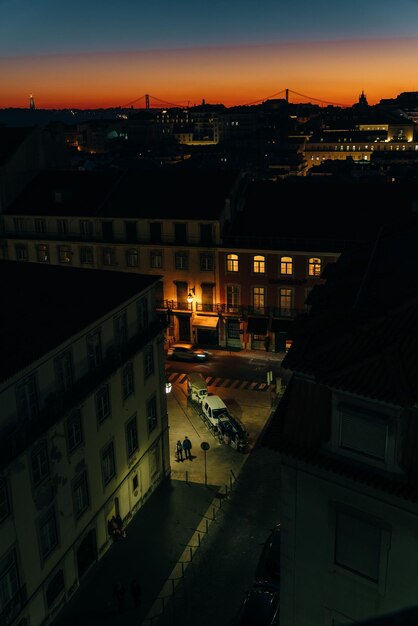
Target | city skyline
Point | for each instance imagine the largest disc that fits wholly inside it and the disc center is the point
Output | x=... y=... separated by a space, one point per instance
x=92 y=57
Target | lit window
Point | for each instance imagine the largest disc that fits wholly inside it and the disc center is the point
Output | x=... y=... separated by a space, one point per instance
x=285 y=301
x=314 y=266
x=232 y=263
x=259 y=264
x=286 y=265
x=259 y=298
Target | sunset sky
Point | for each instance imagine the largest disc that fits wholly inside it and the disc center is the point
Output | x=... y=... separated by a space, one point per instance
x=102 y=54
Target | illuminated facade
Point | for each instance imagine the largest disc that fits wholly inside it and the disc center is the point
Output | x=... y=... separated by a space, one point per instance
x=84 y=431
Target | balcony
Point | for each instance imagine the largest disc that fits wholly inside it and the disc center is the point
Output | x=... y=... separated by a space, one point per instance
x=56 y=406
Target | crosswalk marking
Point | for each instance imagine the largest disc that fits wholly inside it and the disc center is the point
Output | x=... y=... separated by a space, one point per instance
x=211 y=381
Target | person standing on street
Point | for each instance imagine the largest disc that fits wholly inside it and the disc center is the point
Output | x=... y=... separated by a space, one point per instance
x=179 y=451
x=136 y=593
x=187 y=446
x=119 y=595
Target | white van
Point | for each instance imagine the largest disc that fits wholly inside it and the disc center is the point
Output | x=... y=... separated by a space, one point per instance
x=197 y=388
x=213 y=408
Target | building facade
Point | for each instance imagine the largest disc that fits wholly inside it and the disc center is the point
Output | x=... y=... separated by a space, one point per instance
x=84 y=427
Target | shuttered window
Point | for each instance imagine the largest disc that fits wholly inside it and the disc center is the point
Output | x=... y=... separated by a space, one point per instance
x=358 y=545
x=364 y=434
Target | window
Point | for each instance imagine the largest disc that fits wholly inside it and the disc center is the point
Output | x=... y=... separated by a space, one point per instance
x=80 y=494
x=27 y=398
x=142 y=314
x=180 y=233
x=21 y=252
x=363 y=433
x=103 y=404
x=55 y=587
x=42 y=253
x=232 y=327
x=155 y=230
x=206 y=234
x=232 y=298
x=86 y=229
x=206 y=261
x=130 y=232
x=152 y=414
x=259 y=264
x=9 y=579
x=74 y=431
x=109 y=256
x=314 y=267
x=48 y=535
x=127 y=380
x=132 y=257
x=86 y=255
x=62 y=227
x=4 y=500
x=64 y=254
x=156 y=259
x=148 y=361
x=181 y=260
x=94 y=348
x=120 y=329
x=154 y=461
x=358 y=543
x=40 y=226
x=64 y=371
x=259 y=298
x=232 y=263
x=286 y=265
x=39 y=463
x=285 y=301
x=107 y=230
x=131 y=436
x=19 y=224
x=108 y=463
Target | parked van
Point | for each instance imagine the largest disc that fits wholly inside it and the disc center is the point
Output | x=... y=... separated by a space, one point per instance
x=197 y=388
x=213 y=408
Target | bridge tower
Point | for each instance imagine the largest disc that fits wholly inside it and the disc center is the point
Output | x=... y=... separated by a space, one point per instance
x=287 y=95
x=147 y=101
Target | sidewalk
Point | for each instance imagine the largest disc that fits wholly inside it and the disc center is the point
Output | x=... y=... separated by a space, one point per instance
x=162 y=548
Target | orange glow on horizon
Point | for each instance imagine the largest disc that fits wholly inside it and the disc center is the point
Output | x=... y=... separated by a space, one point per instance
x=331 y=71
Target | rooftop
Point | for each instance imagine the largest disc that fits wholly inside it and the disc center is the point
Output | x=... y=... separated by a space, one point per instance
x=46 y=305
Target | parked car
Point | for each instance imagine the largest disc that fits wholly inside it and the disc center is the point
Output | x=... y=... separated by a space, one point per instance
x=268 y=568
x=197 y=388
x=186 y=352
x=213 y=407
x=260 y=606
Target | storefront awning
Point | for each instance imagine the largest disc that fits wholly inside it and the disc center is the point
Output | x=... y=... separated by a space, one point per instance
x=281 y=326
x=257 y=325
x=205 y=322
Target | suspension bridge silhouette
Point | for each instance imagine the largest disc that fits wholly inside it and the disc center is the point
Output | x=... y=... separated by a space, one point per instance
x=147 y=98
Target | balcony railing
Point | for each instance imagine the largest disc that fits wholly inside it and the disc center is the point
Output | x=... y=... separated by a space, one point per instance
x=227 y=309
x=56 y=405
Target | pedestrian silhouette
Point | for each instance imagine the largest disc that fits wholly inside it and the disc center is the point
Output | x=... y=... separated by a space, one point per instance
x=187 y=446
x=119 y=595
x=179 y=451
x=136 y=593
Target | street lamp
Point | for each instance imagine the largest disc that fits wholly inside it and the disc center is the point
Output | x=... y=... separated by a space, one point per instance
x=168 y=386
x=191 y=295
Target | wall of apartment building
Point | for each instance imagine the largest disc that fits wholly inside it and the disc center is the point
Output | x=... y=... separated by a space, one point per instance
x=147 y=465
x=314 y=590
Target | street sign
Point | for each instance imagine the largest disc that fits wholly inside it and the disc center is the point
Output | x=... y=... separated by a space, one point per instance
x=204 y=445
